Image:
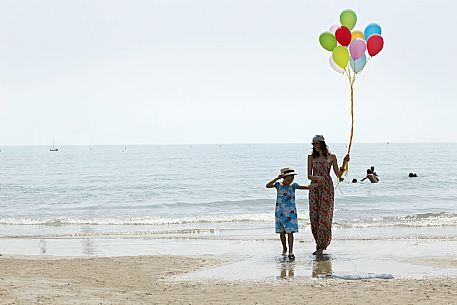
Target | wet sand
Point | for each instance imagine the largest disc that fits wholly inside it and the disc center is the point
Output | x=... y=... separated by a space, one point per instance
x=260 y=260
x=155 y=280
x=171 y=271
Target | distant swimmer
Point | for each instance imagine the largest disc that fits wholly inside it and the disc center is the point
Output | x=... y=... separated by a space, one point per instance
x=373 y=172
x=370 y=176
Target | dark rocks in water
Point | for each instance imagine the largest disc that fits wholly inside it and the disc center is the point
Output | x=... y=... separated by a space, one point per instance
x=354 y=180
x=412 y=175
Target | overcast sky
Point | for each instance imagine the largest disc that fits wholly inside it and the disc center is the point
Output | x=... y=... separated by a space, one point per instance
x=220 y=71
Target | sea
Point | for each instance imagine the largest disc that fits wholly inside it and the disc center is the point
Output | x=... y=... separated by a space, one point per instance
x=217 y=192
x=200 y=200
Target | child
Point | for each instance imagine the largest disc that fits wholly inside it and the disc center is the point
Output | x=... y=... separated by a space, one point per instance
x=286 y=211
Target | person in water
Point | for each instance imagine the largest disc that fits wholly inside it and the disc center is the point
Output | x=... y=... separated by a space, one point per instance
x=370 y=176
x=373 y=172
x=286 y=220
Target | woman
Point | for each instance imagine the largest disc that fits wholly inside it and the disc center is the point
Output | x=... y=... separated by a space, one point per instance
x=321 y=199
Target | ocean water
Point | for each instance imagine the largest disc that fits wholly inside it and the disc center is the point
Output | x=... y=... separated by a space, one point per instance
x=218 y=192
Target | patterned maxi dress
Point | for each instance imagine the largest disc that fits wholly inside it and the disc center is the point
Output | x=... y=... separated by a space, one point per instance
x=321 y=202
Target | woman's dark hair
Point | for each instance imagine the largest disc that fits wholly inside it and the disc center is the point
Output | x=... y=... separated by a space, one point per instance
x=324 y=150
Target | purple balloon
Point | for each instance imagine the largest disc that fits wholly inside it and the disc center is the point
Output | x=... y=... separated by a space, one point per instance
x=357 y=48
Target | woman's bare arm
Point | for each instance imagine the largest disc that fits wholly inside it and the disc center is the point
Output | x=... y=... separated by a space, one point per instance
x=310 y=169
x=339 y=170
x=318 y=179
x=336 y=169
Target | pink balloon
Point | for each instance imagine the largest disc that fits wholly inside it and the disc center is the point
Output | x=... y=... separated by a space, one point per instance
x=357 y=48
x=333 y=28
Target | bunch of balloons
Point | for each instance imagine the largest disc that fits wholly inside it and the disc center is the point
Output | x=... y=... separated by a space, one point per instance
x=349 y=47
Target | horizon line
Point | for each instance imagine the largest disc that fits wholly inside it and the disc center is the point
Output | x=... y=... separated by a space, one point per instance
x=229 y=143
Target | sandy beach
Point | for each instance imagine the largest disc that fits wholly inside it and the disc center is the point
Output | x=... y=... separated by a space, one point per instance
x=153 y=280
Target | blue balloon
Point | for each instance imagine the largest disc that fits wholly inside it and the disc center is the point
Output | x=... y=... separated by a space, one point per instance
x=358 y=64
x=372 y=28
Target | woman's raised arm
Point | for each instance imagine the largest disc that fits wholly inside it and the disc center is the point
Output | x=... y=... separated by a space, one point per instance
x=339 y=171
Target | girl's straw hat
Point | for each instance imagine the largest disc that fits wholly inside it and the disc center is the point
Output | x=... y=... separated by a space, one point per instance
x=287 y=171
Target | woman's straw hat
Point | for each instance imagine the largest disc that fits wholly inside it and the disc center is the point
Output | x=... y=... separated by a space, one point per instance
x=318 y=138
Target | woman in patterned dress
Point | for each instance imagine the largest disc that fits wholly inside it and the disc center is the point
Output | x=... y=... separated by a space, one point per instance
x=321 y=199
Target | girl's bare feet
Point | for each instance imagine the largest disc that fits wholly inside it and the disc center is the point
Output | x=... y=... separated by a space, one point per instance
x=284 y=252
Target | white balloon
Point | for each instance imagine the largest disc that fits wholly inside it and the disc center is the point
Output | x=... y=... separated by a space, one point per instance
x=333 y=28
x=335 y=66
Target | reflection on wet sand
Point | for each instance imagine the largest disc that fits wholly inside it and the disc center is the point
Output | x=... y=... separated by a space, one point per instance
x=286 y=269
x=43 y=246
x=88 y=244
x=322 y=266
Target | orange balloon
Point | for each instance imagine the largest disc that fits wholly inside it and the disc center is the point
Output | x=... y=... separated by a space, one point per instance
x=357 y=34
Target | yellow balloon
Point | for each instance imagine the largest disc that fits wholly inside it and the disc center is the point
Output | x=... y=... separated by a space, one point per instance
x=357 y=34
x=341 y=56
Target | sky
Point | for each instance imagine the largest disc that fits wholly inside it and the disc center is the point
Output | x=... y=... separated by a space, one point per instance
x=94 y=72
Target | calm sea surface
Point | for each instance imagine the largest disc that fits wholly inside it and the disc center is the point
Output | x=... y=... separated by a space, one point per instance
x=218 y=192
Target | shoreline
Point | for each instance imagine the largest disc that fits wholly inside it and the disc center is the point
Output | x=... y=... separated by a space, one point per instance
x=254 y=260
x=153 y=280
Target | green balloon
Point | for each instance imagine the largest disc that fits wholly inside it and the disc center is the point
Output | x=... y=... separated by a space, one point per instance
x=341 y=56
x=327 y=41
x=348 y=18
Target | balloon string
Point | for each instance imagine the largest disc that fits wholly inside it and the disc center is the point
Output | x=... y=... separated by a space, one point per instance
x=351 y=78
x=349 y=73
x=345 y=165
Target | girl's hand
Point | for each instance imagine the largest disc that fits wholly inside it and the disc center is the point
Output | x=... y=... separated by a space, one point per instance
x=313 y=186
x=279 y=177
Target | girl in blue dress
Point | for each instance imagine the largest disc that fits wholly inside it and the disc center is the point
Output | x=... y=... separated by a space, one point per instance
x=286 y=211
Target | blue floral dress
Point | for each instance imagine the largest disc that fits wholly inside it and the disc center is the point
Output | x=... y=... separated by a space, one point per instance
x=286 y=211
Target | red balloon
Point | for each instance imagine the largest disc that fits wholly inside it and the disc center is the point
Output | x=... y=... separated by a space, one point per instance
x=375 y=44
x=343 y=36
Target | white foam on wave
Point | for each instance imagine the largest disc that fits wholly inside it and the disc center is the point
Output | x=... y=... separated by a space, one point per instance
x=440 y=219
x=417 y=220
x=146 y=220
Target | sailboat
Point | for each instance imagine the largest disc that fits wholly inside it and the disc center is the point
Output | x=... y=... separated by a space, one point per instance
x=53 y=148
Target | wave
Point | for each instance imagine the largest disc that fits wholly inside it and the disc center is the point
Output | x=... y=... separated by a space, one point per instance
x=138 y=220
x=414 y=220
x=431 y=219
x=214 y=234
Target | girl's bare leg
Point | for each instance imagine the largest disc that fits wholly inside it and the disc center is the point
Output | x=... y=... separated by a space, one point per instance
x=282 y=236
x=290 y=239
